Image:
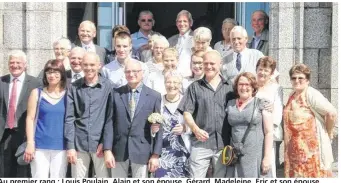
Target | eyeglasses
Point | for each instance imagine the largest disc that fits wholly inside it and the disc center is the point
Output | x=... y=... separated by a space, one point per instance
x=299 y=78
x=145 y=20
x=171 y=82
x=52 y=72
x=132 y=71
x=197 y=63
x=244 y=84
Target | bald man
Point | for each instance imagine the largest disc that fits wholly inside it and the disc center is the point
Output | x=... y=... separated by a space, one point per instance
x=86 y=34
x=88 y=108
x=127 y=138
x=203 y=110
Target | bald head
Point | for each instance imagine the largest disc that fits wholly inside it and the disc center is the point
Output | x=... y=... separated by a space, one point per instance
x=86 y=32
x=213 y=55
x=212 y=64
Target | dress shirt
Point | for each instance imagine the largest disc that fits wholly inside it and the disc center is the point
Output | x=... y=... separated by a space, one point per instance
x=137 y=93
x=87 y=109
x=207 y=107
x=138 y=39
x=184 y=46
x=20 y=82
x=91 y=47
x=223 y=49
x=115 y=72
x=73 y=79
x=256 y=40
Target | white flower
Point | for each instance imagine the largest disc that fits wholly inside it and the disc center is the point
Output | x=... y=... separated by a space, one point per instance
x=155 y=118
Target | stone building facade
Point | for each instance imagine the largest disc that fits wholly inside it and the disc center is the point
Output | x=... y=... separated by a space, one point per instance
x=300 y=32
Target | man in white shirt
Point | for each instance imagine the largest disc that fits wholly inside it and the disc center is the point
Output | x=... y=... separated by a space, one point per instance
x=86 y=34
x=242 y=59
x=115 y=69
x=15 y=89
x=183 y=41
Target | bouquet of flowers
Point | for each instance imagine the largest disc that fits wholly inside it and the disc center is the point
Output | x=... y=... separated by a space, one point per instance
x=156 y=118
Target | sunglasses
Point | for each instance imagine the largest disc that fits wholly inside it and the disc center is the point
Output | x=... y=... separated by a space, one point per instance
x=145 y=20
x=299 y=78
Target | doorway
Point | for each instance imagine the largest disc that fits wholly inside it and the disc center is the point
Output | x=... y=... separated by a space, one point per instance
x=210 y=15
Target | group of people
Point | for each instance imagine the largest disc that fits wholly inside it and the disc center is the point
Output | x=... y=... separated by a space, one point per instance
x=91 y=107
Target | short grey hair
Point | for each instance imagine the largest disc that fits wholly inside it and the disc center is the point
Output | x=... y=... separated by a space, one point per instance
x=64 y=42
x=88 y=22
x=187 y=14
x=77 y=49
x=17 y=54
x=173 y=73
x=133 y=61
x=202 y=34
x=230 y=21
x=240 y=29
x=146 y=12
x=161 y=40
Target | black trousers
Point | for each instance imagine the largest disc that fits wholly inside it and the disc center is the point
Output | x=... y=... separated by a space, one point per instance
x=9 y=167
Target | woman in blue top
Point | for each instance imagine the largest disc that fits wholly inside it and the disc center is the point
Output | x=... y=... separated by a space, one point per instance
x=45 y=124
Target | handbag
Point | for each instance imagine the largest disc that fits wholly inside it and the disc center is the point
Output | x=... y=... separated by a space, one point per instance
x=231 y=154
x=19 y=154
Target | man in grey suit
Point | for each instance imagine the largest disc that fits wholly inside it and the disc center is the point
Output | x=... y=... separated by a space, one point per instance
x=128 y=137
x=183 y=41
x=86 y=34
x=15 y=89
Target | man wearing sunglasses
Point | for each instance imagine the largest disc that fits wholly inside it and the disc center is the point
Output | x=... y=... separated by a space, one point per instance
x=146 y=23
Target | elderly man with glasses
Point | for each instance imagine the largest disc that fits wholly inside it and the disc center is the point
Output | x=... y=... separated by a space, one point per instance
x=140 y=38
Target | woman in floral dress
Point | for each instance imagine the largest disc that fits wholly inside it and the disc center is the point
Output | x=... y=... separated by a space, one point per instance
x=176 y=144
x=308 y=127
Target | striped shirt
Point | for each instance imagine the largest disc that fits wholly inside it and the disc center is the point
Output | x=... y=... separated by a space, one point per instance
x=208 y=110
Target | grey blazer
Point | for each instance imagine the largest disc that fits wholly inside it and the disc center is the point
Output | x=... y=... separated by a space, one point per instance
x=263 y=44
x=131 y=138
x=29 y=84
x=174 y=39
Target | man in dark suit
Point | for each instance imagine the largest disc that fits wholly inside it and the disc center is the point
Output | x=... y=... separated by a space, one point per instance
x=76 y=57
x=86 y=34
x=128 y=137
x=15 y=89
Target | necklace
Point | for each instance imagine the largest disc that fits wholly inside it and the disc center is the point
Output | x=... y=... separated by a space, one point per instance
x=173 y=101
x=240 y=103
x=55 y=98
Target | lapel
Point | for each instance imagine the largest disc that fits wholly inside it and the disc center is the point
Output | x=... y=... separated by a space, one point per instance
x=24 y=88
x=6 y=89
x=97 y=48
x=142 y=100
x=260 y=44
x=125 y=97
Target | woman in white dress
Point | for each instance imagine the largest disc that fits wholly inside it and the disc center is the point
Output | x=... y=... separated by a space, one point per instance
x=270 y=90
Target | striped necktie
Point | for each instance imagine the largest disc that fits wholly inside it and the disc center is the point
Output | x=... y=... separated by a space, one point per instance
x=132 y=103
x=238 y=63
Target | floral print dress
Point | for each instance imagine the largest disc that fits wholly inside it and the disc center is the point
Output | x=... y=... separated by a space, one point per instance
x=301 y=148
x=174 y=156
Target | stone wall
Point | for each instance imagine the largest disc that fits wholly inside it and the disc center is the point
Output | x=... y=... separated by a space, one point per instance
x=307 y=33
x=31 y=27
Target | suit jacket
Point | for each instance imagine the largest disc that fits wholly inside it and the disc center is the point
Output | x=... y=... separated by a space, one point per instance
x=263 y=44
x=103 y=53
x=29 y=84
x=131 y=138
x=173 y=41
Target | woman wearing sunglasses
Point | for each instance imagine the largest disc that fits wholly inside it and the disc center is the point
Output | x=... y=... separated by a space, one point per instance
x=308 y=128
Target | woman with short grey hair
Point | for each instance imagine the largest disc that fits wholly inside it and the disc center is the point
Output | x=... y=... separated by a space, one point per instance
x=202 y=39
x=155 y=63
x=224 y=46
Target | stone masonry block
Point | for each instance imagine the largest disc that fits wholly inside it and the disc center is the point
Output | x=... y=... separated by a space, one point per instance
x=317 y=28
x=39 y=30
x=324 y=68
x=37 y=59
x=13 y=27
x=311 y=4
x=310 y=58
x=13 y=6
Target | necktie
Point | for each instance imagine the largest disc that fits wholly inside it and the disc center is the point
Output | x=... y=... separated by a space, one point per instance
x=87 y=48
x=132 y=103
x=12 y=105
x=238 y=63
x=76 y=76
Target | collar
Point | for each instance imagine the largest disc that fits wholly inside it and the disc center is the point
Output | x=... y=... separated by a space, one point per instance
x=141 y=35
x=21 y=78
x=263 y=35
x=242 y=52
x=223 y=80
x=186 y=34
x=138 y=89
x=80 y=73
x=91 y=44
x=99 y=83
